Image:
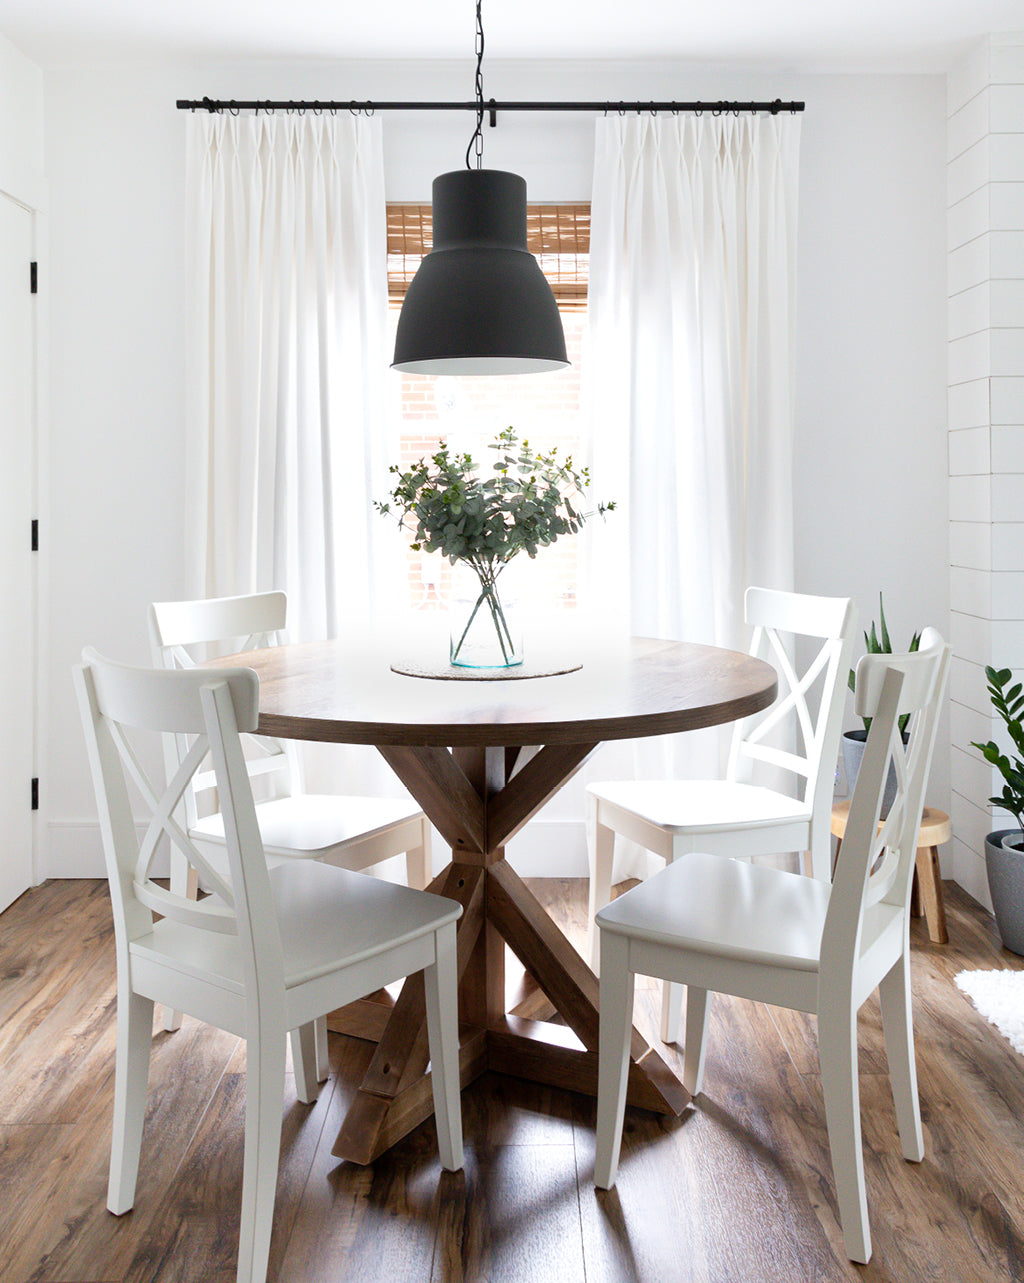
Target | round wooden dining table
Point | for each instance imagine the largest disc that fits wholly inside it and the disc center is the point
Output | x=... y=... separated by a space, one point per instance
x=481 y=757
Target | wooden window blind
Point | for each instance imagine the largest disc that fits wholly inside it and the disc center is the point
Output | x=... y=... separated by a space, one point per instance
x=559 y=235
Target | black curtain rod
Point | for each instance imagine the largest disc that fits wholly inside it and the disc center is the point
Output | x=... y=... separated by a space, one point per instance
x=493 y=107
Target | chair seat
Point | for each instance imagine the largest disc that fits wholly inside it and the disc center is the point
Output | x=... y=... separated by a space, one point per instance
x=328 y=918
x=732 y=909
x=702 y=806
x=313 y=823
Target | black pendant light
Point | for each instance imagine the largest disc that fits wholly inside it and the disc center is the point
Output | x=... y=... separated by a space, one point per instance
x=479 y=303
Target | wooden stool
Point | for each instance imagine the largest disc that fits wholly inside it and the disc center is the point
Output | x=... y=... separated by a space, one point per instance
x=935 y=829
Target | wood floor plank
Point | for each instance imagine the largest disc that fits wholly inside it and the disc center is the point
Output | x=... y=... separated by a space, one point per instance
x=739 y=1188
x=33 y=951
x=514 y=1215
x=193 y=1231
x=62 y=1182
x=365 y=1223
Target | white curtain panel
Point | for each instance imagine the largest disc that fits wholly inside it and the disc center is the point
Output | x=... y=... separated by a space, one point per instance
x=691 y=303
x=287 y=366
x=287 y=361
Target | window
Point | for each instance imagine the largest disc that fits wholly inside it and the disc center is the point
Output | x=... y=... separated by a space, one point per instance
x=468 y=412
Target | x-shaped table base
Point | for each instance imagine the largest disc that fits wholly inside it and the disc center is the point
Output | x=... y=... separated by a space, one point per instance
x=478 y=801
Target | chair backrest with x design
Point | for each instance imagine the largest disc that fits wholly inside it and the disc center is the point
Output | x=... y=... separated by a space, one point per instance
x=177 y=630
x=775 y=617
x=878 y=855
x=118 y=703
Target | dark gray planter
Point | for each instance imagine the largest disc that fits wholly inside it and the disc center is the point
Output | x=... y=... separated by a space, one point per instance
x=854 y=743
x=1005 y=868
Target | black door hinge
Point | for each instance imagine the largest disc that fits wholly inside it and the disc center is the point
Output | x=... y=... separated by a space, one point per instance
x=35 y=534
x=35 y=794
x=33 y=278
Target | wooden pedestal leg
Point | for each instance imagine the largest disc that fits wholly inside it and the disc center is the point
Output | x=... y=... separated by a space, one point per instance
x=395 y=1095
x=542 y=1052
x=466 y=795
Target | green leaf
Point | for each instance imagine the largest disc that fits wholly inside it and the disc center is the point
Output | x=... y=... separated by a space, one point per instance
x=886 y=643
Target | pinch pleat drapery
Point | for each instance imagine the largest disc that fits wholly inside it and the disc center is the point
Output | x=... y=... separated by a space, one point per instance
x=691 y=307
x=692 y=294
x=288 y=353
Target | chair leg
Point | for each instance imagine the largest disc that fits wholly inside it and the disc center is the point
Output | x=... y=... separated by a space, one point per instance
x=818 y=860
x=614 y=1038
x=671 y=1009
x=131 y=1073
x=837 y=1051
x=601 y=852
x=441 y=985
x=304 y=1062
x=184 y=882
x=323 y=1062
x=898 y=1027
x=696 y=1038
x=264 y=1094
x=417 y=861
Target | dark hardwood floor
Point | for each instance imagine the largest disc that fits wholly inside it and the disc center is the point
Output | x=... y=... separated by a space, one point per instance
x=738 y=1190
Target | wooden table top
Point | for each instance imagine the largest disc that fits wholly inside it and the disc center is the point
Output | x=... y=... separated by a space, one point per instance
x=345 y=692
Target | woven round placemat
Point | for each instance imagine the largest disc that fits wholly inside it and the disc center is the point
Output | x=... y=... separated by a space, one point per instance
x=456 y=673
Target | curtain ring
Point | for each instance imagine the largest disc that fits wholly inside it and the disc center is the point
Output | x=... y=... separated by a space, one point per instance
x=353 y=108
x=699 y=109
x=622 y=108
x=233 y=109
x=369 y=110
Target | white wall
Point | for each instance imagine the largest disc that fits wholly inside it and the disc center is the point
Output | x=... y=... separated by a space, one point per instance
x=21 y=127
x=871 y=494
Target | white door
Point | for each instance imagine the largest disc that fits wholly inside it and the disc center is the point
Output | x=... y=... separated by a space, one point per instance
x=17 y=632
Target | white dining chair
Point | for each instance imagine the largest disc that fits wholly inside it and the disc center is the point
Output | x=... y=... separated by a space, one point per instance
x=350 y=832
x=726 y=926
x=736 y=816
x=269 y=950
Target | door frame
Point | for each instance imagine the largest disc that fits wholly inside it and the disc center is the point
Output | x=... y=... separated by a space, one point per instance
x=28 y=192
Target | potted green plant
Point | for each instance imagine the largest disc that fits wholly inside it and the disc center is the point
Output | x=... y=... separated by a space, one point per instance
x=480 y=523
x=876 y=642
x=1004 y=856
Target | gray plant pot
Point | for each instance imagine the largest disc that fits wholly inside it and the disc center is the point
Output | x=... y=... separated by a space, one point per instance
x=1005 y=868
x=854 y=743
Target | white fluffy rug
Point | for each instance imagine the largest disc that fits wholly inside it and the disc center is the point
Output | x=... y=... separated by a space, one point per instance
x=999 y=996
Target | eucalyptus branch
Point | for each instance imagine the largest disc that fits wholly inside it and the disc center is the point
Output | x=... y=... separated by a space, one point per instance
x=526 y=502
x=529 y=500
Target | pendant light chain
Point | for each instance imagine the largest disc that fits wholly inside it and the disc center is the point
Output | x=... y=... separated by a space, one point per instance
x=476 y=143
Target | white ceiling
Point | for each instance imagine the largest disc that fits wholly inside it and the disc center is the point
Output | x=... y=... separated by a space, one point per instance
x=802 y=35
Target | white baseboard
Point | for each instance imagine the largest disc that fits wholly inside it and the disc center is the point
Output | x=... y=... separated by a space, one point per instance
x=74 y=849
x=545 y=849
x=550 y=849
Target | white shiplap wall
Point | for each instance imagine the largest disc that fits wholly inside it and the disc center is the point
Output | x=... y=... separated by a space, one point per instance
x=985 y=225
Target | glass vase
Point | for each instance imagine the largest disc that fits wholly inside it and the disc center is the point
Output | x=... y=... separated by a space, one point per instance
x=483 y=618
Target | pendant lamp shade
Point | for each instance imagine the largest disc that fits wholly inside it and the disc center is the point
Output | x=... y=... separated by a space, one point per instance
x=479 y=303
